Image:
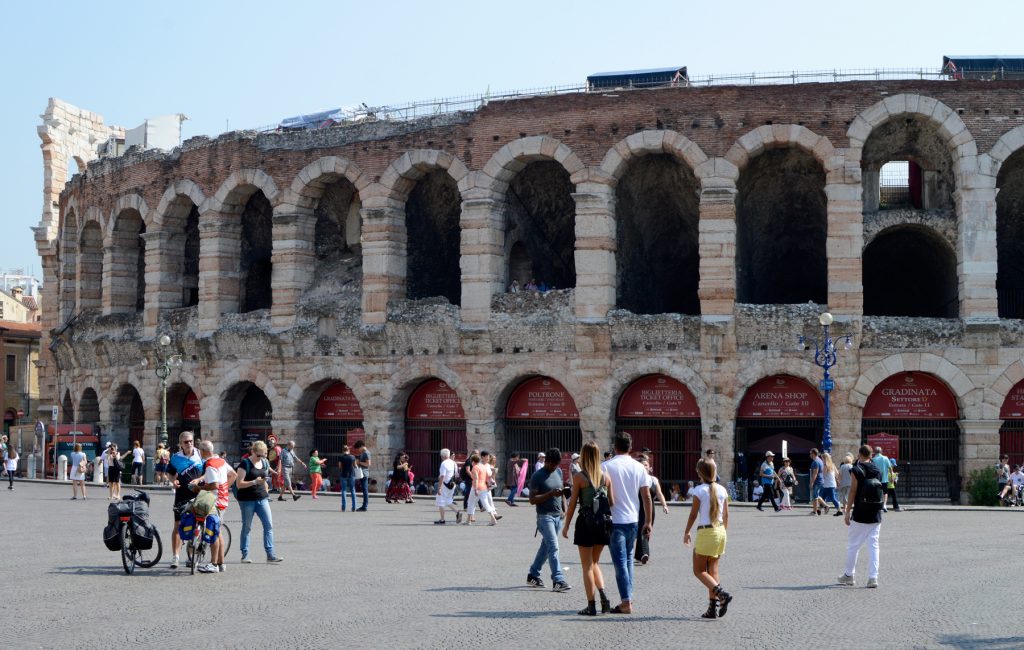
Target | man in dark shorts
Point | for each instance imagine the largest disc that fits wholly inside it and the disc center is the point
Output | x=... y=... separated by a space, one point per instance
x=185 y=466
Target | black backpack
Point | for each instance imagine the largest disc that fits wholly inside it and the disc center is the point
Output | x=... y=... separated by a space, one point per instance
x=600 y=514
x=872 y=492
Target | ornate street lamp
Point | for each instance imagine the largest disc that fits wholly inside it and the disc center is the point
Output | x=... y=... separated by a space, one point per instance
x=825 y=356
x=167 y=361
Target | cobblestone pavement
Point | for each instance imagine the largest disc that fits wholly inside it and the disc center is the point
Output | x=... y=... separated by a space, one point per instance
x=390 y=579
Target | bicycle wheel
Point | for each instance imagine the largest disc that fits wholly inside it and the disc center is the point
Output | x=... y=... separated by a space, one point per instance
x=226 y=534
x=127 y=550
x=198 y=553
x=147 y=559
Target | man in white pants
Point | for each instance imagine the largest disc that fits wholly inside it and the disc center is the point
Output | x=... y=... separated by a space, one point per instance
x=446 y=495
x=865 y=511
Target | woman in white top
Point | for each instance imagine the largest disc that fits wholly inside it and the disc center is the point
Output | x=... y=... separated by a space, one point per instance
x=138 y=462
x=710 y=511
x=11 y=464
x=79 y=464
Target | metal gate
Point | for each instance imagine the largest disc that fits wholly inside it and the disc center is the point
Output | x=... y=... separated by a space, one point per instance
x=424 y=439
x=752 y=430
x=529 y=437
x=674 y=445
x=1011 y=441
x=929 y=460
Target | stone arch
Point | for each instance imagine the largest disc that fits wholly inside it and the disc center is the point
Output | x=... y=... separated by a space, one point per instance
x=309 y=184
x=750 y=374
x=90 y=265
x=493 y=398
x=246 y=372
x=406 y=379
x=402 y=174
x=616 y=160
x=232 y=194
x=910 y=270
x=125 y=255
x=128 y=202
x=966 y=392
x=950 y=128
x=606 y=398
x=514 y=156
x=777 y=136
x=170 y=205
x=321 y=373
x=995 y=395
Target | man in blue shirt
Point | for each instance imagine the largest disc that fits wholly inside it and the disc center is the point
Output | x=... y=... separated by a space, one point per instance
x=885 y=468
x=547 y=495
x=766 y=474
x=817 y=479
x=185 y=465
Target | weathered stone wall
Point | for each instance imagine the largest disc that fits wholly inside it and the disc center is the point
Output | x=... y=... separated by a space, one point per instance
x=349 y=319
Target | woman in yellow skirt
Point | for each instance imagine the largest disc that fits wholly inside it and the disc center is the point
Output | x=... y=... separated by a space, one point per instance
x=710 y=511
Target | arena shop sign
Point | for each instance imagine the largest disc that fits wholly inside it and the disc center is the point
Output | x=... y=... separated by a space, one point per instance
x=657 y=396
x=1013 y=405
x=911 y=396
x=782 y=397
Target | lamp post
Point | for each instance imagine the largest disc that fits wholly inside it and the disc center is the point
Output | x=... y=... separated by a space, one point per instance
x=825 y=356
x=167 y=362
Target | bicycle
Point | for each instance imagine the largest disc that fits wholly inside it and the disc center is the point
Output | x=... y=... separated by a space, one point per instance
x=131 y=554
x=197 y=548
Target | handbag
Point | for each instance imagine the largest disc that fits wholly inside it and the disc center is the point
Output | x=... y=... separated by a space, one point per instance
x=599 y=516
x=357 y=472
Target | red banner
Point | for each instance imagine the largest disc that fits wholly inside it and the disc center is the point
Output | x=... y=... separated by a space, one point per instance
x=338 y=403
x=1013 y=405
x=911 y=395
x=190 y=409
x=541 y=398
x=434 y=400
x=782 y=396
x=887 y=442
x=657 y=396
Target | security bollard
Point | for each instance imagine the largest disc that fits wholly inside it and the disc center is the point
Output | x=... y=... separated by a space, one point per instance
x=148 y=471
x=30 y=467
x=97 y=473
x=62 y=468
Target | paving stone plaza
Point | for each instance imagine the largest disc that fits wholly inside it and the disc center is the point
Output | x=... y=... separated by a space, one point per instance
x=388 y=578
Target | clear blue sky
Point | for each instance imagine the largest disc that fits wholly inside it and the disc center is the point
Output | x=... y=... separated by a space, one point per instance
x=255 y=62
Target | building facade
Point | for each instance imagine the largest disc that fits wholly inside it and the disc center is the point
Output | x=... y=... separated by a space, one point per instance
x=355 y=281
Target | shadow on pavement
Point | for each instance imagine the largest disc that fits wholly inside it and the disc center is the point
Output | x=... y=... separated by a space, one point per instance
x=800 y=587
x=967 y=641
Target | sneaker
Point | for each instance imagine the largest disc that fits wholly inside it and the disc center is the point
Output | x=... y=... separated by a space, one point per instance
x=209 y=568
x=535 y=581
x=872 y=583
x=497 y=517
x=280 y=498
x=220 y=568
x=246 y=559
x=174 y=562
x=644 y=558
x=363 y=509
x=274 y=559
x=458 y=517
x=296 y=497
x=440 y=522
x=561 y=587
x=845 y=580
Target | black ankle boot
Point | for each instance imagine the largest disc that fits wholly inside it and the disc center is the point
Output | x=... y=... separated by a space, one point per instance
x=712 y=609
x=606 y=605
x=724 y=598
x=589 y=610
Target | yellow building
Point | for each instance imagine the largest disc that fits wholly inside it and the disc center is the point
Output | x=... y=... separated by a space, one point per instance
x=20 y=330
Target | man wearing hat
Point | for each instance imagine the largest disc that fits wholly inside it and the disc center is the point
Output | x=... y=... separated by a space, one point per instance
x=766 y=474
x=512 y=472
x=540 y=462
x=574 y=468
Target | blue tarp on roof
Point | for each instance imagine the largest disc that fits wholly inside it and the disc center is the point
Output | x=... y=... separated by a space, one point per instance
x=637 y=78
x=984 y=66
x=313 y=120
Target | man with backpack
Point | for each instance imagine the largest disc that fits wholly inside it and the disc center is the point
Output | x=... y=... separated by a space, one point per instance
x=863 y=516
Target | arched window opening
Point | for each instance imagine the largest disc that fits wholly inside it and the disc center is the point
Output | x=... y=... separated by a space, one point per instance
x=910 y=271
x=542 y=217
x=915 y=145
x=337 y=220
x=657 y=208
x=337 y=417
x=1010 y=236
x=128 y=263
x=540 y=414
x=434 y=420
x=128 y=416
x=781 y=228
x=432 y=221
x=89 y=407
x=520 y=266
x=67 y=408
x=183 y=412
x=90 y=267
x=899 y=185
x=68 y=266
x=254 y=418
x=257 y=248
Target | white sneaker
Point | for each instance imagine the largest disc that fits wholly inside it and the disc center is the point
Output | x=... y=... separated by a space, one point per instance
x=845 y=580
x=246 y=559
x=220 y=568
x=872 y=583
x=174 y=562
x=209 y=568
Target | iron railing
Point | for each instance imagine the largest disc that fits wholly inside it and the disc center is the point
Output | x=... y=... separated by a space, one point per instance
x=529 y=437
x=448 y=105
x=675 y=446
x=1011 y=441
x=424 y=439
x=1011 y=303
x=929 y=456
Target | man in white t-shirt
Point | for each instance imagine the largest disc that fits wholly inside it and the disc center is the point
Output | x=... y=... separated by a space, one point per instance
x=218 y=477
x=446 y=477
x=630 y=485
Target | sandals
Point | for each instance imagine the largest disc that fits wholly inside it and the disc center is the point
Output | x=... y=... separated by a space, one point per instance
x=618 y=610
x=589 y=610
x=724 y=598
x=712 y=609
x=606 y=605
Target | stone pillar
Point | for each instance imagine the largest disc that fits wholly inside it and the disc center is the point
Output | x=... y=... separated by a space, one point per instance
x=163 y=278
x=482 y=258
x=47 y=364
x=870 y=189
x=976 y=255
x=717 y=249
x=219 y=256
x=384 y=264
x=595 y=252
x=844 y=245
x=294 y=259
x=979 y=448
